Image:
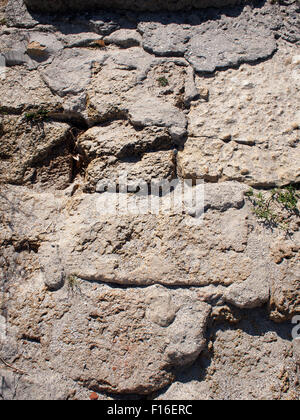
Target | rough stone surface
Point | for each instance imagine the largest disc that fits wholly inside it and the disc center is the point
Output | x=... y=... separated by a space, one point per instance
x=296 y=348
x=285 y=299
x=70 y=71
x=210 y=51
x=151 y=112
x=51 y=267
x=24 y=156
x=137 y=293
x=253 y=292
x=124 y=38
x=31 y=92
x=81 y=325
x=17 y=15
x=121 y=140
x=258 y=140
x=134 y=169
x=165 y=40
x=253 y=349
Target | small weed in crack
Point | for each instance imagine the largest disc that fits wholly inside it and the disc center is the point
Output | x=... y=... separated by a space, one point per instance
x=275 y=208
x=37 y=116
x=73 y=285
x=163 y=81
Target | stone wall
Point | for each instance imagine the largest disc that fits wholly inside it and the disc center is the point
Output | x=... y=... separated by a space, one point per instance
x=146 y=294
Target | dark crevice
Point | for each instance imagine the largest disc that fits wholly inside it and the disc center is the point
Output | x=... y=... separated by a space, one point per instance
x=6 y=111
x=59 y=165
x=24 y=245
x=27 y=245
x=34 y=340
x=122 y=284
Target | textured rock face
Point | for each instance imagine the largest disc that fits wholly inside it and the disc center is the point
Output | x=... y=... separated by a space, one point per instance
x=151 y=331
x=120 y=292
x=249 y=349
x=68 y=5
x=257 y=141
x=25 y=157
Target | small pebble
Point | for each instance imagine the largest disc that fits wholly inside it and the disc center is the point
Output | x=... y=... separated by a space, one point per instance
x=94 y=396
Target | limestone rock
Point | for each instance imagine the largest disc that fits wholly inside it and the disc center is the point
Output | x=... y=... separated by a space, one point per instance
x=124 y=38
x=141 y=249
x=213 y=160
x=211 y=51
x=224 y=196
x=70 y=71
x=253 y=292
x=156 y=166
x=81 y=39
x=41 y=385
x=31 y=93
x=3 y=4
x=51 y=266
x=42 y=47
x=191 y=92
x=35 y=49
x=17 y=15
x=161 y=309
x=121 y=140
x=117 y=150
x=248 y=115
x=151 y=112
x=256 y=355
x=13 y=48
x=296 y=347
x=159 y=85
x=121 y=273
x=285 y=296
x=207 y=263
x=255 y=143
x=289 y=29
x=77 y=335
x=23 y=155
x=165 y=40
x=115 y=84
x=103 y=23
x=283 y=250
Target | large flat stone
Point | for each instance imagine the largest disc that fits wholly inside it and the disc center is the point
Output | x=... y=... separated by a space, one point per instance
x=248 y=130
x=105 y=339
x=216 y=161
x=158 y=166
x=121 y=140
x=252 y=360
x=217 y=49
x=25 y=148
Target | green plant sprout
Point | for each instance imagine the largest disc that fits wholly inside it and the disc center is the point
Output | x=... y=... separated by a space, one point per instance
x=73 y=285
x=37 y=116
x=72 y=282
x=163 y=81
x=269 y=207
x=3 y=110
